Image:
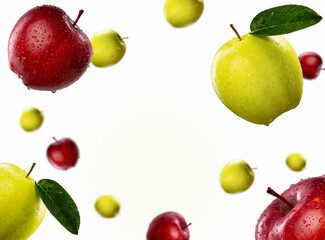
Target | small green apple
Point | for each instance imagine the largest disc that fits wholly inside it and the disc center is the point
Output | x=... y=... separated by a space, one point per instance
x=236 y=176
x=109 y=48
x=296 y=162
x=180 y=13
x=257 y=78
x=31 y=119
x=107 y=206
x=21 y=208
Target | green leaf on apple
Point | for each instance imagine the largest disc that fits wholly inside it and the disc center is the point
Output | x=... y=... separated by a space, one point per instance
x=59 y=203
x=283 y=19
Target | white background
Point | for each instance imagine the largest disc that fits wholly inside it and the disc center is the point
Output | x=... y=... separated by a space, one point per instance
x=151 y=131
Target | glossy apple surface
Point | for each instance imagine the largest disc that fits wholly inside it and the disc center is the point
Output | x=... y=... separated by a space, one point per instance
x=311 y=64
x=304 y=221
x=47 y=50
x=63 y=154
x=168 y=226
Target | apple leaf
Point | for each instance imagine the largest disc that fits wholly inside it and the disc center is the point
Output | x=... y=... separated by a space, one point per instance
x=283 y=19
x=59 y=203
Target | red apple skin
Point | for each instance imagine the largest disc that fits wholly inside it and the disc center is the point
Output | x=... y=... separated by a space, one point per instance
x=46 y=51
x=63 y=154
x=306 y=221
x=168 y=226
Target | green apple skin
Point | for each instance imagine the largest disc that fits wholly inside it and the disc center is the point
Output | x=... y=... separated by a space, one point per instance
x=107 y=206
x=296 y=162
x=257 y=78
x=31 y=119
x=21 y=208
x=181 y=13
x=109 y=48
x=236 y=176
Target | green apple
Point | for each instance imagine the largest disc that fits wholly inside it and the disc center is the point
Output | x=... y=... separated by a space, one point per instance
x=236 y=176
x=296 y=162
x=257 y=78
x=107 y=206
x=109 y=48
x=180 y=13
x=21 y=208
x=31 y=119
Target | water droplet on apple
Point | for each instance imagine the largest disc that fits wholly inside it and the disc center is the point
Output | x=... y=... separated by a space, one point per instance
x=53 y=91
x=20 y=76
x=32 y=45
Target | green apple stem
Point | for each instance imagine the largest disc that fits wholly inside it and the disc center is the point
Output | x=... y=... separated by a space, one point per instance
x=125 y=38
x=278 y=196
x=79 y=15
x=31 y=169
x=234 y=29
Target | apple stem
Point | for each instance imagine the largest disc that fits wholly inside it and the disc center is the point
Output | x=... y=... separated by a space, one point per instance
x=79 y=15
x=184 y=227
x=275 y=194
x=125 y=37
x=54 y=139
x=234 y=29
x=31 y=169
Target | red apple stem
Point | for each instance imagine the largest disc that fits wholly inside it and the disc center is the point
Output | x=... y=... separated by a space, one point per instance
x=184 y=227
x=31 y=169
x=54 y=138
x=275 y=194
x=234 y=29
x=79 y=15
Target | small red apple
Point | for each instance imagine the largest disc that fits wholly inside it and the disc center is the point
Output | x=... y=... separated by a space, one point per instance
x=168 y=226
x=297 y=214
x=47 y=50
x=63 y=154
x=311 y=64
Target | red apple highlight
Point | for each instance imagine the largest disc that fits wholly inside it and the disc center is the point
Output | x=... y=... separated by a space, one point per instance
x=297 y=214
x=63 y=154
x=168 y=226
x=47 y=50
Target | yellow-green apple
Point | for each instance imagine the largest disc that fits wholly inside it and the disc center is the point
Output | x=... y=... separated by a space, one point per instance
x=236 y=176
x=168 y=226
x=107 y=206
x=257 y=78
x=296 y=162
x=109 y=48
x=181 y=13
x=297 y=214
x=31 y=119
x=21 y=208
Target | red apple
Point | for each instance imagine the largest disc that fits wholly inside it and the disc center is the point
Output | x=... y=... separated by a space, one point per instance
x=47 y=50
x=297 y=214
x=311 y=64
x=63 y=154
x=168 y=226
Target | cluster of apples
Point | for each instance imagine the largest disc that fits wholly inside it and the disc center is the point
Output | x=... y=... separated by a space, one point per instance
x=36 y=49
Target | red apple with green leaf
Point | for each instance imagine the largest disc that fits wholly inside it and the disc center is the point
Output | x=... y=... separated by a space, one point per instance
x=63 y=153
x=47 y=49
x=168 y=226
x=297 y=214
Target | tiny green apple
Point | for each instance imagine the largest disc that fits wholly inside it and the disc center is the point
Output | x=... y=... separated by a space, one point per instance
x=257 y=78
x=296 y=162
x=107 y=206
x=236 y=176
x=31 y=119
x=180 y=13
x=109 y=48
x=21 y=208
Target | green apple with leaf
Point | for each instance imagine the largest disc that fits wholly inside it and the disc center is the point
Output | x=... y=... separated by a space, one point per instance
x=181 y=13
x=23 y=203
x=258 y=76
x=236 y=176
x=31 y=119
x=109 y=48
x=21 y=208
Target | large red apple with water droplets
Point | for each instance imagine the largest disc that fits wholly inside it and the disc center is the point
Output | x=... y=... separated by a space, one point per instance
x=47 y=50
x=296 y=214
